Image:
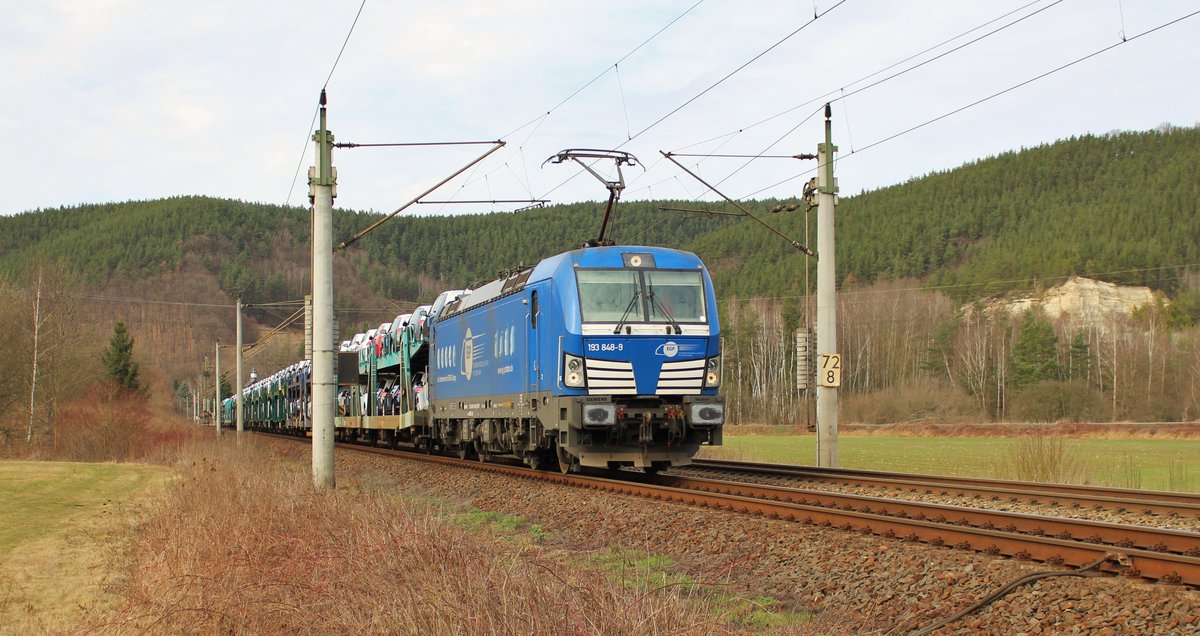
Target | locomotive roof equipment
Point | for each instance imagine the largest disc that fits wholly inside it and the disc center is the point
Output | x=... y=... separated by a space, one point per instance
x=614 y=187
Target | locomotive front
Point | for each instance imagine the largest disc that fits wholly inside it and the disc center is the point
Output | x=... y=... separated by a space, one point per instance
x=640 y=361
x=602 y=357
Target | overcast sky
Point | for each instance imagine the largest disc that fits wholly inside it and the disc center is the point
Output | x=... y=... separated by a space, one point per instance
x=112 y=100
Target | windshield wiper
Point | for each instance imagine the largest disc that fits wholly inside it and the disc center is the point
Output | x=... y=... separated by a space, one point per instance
x=628 y=309
x=654 y=301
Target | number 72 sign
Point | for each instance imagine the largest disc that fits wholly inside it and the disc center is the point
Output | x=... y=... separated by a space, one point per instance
x=829 y=371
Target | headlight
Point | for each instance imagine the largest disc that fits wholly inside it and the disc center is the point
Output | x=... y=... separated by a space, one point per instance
x=599 y=414
x=573 y=372
x=706 y=413
x=712 y=373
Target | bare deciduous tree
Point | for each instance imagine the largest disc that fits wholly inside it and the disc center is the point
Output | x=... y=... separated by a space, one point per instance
x=49 y=354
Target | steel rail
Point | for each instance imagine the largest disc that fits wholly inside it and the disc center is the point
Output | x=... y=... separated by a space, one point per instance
x=1131 y=562
x=1100 y=532
x=1118 y=499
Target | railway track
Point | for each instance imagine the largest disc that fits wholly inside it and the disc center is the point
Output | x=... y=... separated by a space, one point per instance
x=1161 y=555
x=1149 y=502
x=1097 y=532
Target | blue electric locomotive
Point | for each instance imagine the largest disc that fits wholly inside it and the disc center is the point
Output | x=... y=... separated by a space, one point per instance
x=604 y=356
x=601 y=356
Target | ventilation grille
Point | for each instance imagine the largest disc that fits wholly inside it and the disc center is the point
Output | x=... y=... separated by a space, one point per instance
x=685 y=377
x=610 y=377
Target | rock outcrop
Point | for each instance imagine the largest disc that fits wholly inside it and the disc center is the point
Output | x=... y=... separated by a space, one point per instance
x=1080 y=301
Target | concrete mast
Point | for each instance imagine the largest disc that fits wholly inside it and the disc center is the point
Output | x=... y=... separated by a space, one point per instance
x=237 y=389
x=322 y=180
x=828 y=362
x=217 y=386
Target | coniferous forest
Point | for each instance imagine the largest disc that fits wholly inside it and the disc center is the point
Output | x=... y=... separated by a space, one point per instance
x=915 y=263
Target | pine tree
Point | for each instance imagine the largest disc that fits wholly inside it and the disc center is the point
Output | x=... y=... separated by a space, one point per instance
x=1034 y=356
x=1080 y=358
x=118 y=359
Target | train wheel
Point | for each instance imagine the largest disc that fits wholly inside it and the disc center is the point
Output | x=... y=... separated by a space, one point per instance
x=565 y=460
x=481 y=453
x=462 y=451
x=534 y=460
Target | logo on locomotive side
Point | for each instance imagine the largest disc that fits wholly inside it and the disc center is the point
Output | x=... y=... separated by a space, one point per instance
x=669 y=349
x=472 y=352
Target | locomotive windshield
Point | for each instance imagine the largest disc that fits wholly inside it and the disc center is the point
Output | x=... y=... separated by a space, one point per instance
x=629 y=295
x=677 y=296
x=605 y=294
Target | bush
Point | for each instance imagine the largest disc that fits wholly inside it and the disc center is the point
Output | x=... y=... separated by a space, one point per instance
x=1053 y=401
x=1044 y=458
x=910 y=403
x=108 y=423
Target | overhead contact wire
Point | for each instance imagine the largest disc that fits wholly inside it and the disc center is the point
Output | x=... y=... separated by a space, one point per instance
x=737 y=70
x=344 y=43
x=844 y=94
x=882 y=70
x=706 y=90
x=313 y=123
x=985 y=99
x=1028 y=81
x=945 y=53
x=608 y=68
x=540 y=119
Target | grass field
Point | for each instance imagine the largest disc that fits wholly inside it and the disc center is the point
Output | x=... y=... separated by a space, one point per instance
x=63 y=525
x=1130 y=463
x=38 y=497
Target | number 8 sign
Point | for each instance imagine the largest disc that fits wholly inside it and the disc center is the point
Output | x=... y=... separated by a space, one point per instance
x=830 y=371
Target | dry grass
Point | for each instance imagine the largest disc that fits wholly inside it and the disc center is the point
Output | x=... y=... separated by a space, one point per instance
x=247 y=545
x=1043 y=458
x=65 y=528
x=242 y=543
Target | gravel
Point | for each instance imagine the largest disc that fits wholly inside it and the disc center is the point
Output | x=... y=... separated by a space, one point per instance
x=855 y=583
x=1127 y=517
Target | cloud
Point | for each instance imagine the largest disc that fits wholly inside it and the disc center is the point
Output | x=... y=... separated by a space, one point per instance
x=115 y=99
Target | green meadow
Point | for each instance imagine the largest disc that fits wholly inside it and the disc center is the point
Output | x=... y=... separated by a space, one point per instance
x=1151 y=464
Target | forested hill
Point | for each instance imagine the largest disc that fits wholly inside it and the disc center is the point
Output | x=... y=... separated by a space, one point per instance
x=247 y=245
x=1113 y=207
